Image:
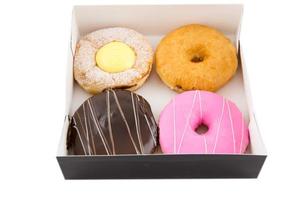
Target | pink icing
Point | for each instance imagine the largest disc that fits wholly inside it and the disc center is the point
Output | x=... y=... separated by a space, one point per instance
x=227 y=131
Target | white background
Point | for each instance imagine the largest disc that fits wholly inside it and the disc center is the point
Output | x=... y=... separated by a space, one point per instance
x=34 y=39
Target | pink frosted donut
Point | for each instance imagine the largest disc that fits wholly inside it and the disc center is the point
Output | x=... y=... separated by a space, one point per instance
x=226 y=134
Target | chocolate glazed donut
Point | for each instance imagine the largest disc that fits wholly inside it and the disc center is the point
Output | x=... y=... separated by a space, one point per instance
x=113 y=122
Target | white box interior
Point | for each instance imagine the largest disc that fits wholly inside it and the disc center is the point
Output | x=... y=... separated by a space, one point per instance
x=154 y=21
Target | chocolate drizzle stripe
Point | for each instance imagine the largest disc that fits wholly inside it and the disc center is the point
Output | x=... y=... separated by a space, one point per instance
x=98 y=128
x=150 y=129
x=138 y=121
x=109 y=123
x=125 y=121
x=91 y=105
x=152 y=133
x=92 y=137
x=153 y=121
x=78 y=133
x=86 y=130
x=98 y=123
x=137 y=127
x=80 y=125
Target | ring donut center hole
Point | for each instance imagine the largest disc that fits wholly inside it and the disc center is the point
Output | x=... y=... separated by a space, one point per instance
x=201 y=129
x=197 y=58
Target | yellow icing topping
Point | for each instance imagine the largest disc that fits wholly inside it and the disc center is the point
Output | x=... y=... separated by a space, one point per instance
x=115 y=57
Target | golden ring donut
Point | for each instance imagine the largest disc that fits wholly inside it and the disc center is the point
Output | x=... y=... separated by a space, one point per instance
x=195 y=57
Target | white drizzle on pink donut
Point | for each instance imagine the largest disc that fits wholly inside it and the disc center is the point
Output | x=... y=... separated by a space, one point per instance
x=231 y=123
x=242 y=131
x=225 y=123
x=174 y=127
x=219 y=125
x=201 y=116
x=186 y=122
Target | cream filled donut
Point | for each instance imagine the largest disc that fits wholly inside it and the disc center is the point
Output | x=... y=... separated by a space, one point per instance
x=226 y=133
x=112 y=58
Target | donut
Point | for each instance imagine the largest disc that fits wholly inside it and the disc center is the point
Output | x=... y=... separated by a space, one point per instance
x=113 y=122
x=195 y=57
x=112 y=58
x=226 y=130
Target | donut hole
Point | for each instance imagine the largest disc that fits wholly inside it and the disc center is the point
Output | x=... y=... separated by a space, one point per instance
x=201 y=129
x=196 y=53
x=197 y=58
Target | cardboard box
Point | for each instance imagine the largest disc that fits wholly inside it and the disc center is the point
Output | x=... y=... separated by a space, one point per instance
x=154 y=21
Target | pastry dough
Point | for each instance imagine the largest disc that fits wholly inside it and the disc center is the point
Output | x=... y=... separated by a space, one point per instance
x=94 y=78
x=195 y=57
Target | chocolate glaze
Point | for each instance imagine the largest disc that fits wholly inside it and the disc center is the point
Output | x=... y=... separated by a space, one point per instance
x=113 y=122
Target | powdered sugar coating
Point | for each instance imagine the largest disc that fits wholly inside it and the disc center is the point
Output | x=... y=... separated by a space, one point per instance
x=92 y=78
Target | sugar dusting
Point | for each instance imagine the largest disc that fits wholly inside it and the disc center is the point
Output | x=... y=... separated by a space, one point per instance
x=92 y=77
